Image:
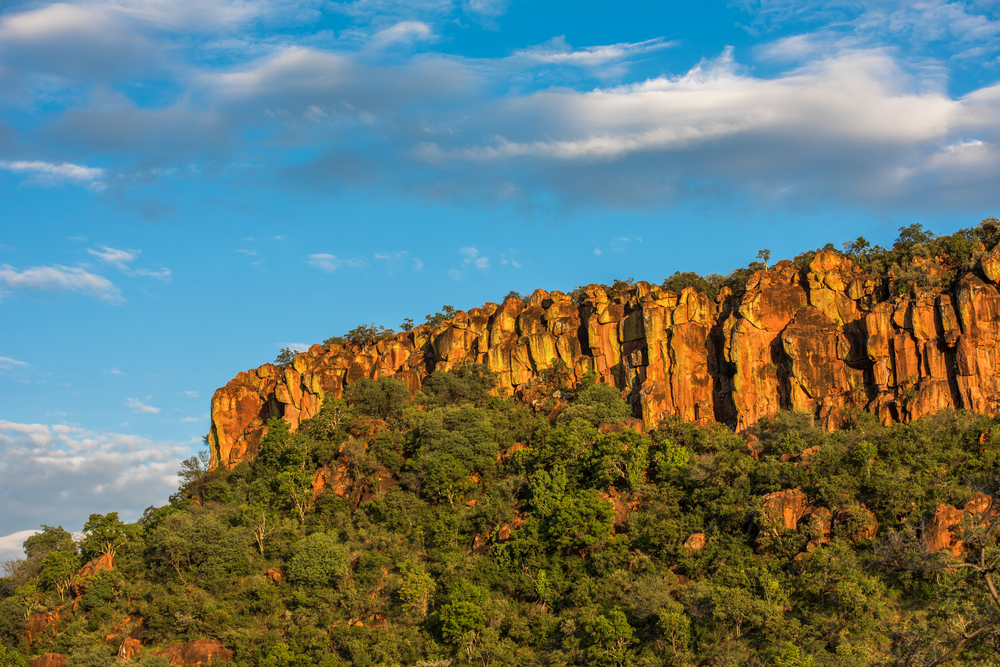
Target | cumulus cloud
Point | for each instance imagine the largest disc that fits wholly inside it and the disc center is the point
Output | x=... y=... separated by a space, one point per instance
x=331 y=263
x=139 y=407
x=59 y=475
x=48 y=173
x=60 y=279
x=12 y=546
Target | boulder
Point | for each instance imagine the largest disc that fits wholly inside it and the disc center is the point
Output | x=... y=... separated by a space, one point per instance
x=49 y=660
x=783 y=510
x=129 y=649
x=42 y=623
x=696 y=542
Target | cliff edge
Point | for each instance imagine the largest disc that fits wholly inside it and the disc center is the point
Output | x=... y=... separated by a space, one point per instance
x=826 y=339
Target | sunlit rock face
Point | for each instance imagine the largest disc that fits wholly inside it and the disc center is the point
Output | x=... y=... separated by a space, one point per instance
x=825 y=339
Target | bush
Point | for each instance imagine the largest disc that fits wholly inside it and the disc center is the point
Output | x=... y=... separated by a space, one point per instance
x=318 y=561
x=383 y=398
x=598 y=404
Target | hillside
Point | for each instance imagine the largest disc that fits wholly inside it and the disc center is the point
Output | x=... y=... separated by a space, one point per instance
x=407 y=501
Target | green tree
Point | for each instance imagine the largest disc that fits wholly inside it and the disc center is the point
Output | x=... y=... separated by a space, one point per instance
x=318 y=561
x=435 y=320
x=598 y=404
x=764 y=256
x=611 y=638
x=384 y=398
x=286 y=357
x=105 y=534
x=582 y=521
x=674 y=625
x=58 y=568
x=619 y=459
x=11 y=658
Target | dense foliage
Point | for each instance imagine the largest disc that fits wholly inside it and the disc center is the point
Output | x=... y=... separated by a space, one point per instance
x=469 y=530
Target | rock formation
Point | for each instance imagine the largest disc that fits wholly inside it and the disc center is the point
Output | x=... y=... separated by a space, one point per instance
x=826 y=339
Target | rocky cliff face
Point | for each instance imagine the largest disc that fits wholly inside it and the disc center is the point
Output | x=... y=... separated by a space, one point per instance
x=826 y=340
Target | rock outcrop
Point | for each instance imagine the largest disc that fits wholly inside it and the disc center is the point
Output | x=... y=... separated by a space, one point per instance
x=946 y=528
x=195 y=653
x=49 y=660
x=826 y=339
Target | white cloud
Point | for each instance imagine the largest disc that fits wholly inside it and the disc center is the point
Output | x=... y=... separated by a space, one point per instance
x=113 y=371
x=404 y=32
x=295 y=347
x=6 y=363
x=59 y=279
x=12 y=546
x=188 y=420
x=162 y=274
x=139 y=407
x=121 y=259
x=192 y=394
x=597 y=251
x=115 y=257
x=557 y=52
x=48 y=173
x=59 y=474
x=482 y=263
x=331 y=263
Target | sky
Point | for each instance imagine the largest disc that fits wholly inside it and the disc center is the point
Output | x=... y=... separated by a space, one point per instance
x=188 y=186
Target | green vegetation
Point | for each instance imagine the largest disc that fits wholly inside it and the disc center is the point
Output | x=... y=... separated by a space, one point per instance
x=468 y=530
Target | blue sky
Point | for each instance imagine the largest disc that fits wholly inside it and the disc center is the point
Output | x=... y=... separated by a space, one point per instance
x=189 y=185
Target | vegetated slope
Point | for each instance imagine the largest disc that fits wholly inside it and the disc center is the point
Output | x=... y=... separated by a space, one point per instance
x=900 y=334
x=453 y=526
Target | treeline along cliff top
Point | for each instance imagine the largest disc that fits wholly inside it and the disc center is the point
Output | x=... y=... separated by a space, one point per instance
x=789 y=466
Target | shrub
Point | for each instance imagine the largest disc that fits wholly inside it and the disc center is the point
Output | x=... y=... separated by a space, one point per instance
x=318 y=561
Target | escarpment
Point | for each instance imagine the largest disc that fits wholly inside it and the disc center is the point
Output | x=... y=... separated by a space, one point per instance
x=826 y=339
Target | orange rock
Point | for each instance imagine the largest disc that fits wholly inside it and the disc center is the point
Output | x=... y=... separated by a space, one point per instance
x=784 y=509
x=129 y=649
x=40 y=623
x=102 y=562
x=198 y=652
x=695 y=542
x=940 y=531
x=49 y=660
x=274 y=574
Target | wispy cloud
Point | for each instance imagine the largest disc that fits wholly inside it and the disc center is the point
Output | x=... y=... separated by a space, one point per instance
x=48 y=173
x=139 y=407
x=473 y=258
x=331 y=263
x=6 y=363
x=60 y=279
x=192 y=394
x=115 y=257
x=120 y=259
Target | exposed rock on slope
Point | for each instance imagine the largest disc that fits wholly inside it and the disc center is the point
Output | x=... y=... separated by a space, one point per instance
x=826 y=340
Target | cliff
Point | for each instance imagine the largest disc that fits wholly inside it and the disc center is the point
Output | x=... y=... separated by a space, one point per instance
x=826 y=339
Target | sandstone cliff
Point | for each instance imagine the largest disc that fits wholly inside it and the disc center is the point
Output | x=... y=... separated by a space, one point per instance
x=827 y=340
